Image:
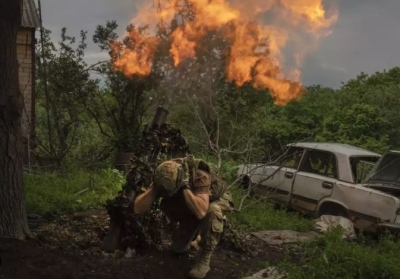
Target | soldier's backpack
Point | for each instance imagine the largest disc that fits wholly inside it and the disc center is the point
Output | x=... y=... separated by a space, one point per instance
x=218 y=186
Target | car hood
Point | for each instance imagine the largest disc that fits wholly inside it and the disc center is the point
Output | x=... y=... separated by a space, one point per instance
x=385 y=175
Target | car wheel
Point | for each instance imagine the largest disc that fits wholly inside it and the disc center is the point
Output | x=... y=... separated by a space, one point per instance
x=334 y=209
x=245 y=182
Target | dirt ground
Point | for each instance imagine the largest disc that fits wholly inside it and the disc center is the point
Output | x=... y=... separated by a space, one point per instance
x=69 y=249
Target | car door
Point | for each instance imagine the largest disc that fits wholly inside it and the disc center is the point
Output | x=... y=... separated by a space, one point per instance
x=315 y=179
x=277 y=180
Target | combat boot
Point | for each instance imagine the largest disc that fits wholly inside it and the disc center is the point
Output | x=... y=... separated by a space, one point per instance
x=201 y=269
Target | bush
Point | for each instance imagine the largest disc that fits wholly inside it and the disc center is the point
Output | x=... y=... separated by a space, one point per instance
x=228 y=171
x=334 y=258
x=65 y=193
x=228 y=167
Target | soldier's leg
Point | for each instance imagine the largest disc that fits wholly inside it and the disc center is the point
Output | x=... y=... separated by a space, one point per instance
x=210 y=231
x=185 y=234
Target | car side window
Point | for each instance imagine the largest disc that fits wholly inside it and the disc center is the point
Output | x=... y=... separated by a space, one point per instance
x=320 y=162
x=291 y=159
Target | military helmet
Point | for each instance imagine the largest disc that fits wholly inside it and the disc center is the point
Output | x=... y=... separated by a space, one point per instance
x=167 y=178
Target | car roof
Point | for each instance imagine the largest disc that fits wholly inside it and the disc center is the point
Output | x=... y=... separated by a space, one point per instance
x=339 y=148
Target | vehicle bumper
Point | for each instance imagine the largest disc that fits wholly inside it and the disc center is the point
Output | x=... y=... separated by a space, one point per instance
x=395 y=228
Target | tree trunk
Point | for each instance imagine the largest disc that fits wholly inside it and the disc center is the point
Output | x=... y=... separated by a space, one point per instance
x=13 y=222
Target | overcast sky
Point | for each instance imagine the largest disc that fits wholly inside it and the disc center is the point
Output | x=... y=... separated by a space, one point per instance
x=365 y=38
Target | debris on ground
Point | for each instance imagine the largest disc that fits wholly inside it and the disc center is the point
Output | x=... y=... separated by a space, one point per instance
x=83 y=233
x=327 y=222
x=268 y=273
x=236 y=240
x=70 y=247
x=321 y=225
x=28 y=260
x=76 y=234
x=285 y=236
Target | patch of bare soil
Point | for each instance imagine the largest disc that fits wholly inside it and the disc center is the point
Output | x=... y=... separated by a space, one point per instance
x=70 y=248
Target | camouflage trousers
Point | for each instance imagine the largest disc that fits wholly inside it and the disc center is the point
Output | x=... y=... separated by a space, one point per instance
x=209 y=228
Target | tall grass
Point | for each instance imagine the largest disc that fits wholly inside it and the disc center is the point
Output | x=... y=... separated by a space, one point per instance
x=73 y=191
x=331 y=257
x=259 y=214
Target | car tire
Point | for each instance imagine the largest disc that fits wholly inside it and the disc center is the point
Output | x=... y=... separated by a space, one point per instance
x=245 y=182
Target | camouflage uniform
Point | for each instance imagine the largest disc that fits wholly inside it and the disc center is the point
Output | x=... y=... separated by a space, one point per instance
x=209 y=228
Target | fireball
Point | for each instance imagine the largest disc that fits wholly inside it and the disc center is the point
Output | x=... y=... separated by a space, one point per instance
x=267 y=39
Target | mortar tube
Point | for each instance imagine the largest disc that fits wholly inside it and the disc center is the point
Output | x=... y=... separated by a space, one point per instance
x=159 y=118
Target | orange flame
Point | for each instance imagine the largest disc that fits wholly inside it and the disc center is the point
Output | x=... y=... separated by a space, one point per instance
x=257 y=51
x=136 y=56
x=209 y=15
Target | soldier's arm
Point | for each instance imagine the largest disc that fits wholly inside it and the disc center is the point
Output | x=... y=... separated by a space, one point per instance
x=197 y=203
x=144 y=201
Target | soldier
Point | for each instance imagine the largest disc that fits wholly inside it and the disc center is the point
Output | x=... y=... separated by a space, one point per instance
x=195 y=200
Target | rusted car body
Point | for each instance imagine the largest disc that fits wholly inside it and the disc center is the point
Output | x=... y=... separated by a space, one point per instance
x=326 y=178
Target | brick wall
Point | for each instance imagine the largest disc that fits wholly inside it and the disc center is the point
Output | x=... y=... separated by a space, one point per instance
x=26 y=76
x=24 y=54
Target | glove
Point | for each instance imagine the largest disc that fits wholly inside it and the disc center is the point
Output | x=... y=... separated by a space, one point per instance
x=185 y=174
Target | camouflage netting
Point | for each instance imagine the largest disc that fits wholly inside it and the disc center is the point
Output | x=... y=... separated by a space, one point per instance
x=234 y=239
x=159 y=142
x=166 y=141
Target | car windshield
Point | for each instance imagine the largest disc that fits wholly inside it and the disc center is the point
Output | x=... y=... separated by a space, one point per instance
x=291 y=158
x=361 y=167
x=387 y=169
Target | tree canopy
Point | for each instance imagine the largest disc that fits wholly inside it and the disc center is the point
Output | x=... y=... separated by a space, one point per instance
x=81 y=119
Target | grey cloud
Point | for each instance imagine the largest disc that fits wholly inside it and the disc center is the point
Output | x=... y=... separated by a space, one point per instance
x=366 y=38
x=77 y=15
x=316 y=71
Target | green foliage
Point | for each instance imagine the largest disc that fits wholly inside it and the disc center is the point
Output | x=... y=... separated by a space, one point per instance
x=363 y=112
x=72 y=191
x=65 y=131
x=260 y=215
x=360 y=125
x=228 y=168
x=334 y=258
x=228 y=171
x=121 y=107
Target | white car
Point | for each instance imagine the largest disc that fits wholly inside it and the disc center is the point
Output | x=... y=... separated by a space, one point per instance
x=325 y=178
